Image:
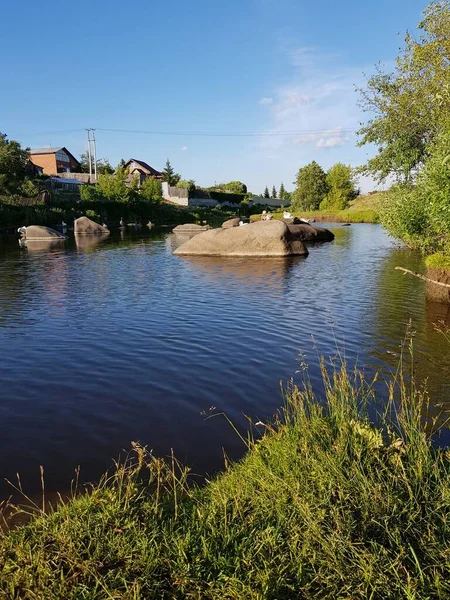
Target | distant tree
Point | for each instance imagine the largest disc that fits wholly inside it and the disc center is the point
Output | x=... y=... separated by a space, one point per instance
x=151 y=190
x=169 y=174
x=266 y=192
x=121 y=164
x=103 y=165
x=282 y=191
x=312 y=187
x=234 y=187
x=187 y=184
x=13 y=162
x=341 y=188
x=274 y=192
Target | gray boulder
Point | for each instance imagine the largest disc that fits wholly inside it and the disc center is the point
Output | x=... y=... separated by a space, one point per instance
x=231 y=223
x=84 y=226
x=38 y=233
x=191 y=228
x=263 y=238
x=310 y=233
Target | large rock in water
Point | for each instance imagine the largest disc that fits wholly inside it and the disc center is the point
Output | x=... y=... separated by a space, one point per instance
x=263 y=238
x=310 y=233
x=38 y=233
x=83 y=225
x=231 y=223
x=191 y=228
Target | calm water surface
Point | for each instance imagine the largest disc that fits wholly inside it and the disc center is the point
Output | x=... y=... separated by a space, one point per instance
x=117 y=340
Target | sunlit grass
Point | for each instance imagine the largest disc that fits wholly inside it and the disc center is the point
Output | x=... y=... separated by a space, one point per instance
x=328 y=503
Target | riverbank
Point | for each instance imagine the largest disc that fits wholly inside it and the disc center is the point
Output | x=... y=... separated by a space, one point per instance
x=363 y=209
x=324 y=505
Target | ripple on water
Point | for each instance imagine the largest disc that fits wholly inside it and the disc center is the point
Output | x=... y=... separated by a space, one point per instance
x=121 y=341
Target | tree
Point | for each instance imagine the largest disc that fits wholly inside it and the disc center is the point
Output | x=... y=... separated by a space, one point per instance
x=169 y=174
x=121 y=164
x=282 y=191
x=266 y=192
x=408 y=105
x=103 y=165
x=234 y=187
x=274 y=192
x=151 y=190
x=341 y=188
x=312 y=187
x=114 y=187
x=13 y=162
x=187 y=184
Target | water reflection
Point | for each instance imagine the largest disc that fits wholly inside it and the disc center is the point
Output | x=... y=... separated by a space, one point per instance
x=88 y=243
x=109 y=340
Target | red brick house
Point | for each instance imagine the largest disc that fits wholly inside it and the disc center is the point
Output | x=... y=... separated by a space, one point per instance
x=54 y=160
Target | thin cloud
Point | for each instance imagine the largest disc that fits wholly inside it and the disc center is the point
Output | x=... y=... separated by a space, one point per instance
x=183 y=148
x=266 y=101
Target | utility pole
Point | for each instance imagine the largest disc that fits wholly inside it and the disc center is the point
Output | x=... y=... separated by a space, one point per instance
x=92 y=149
x=95 y=155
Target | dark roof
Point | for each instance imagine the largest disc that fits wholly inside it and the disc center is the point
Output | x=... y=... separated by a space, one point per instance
x=145 y=166
x=51 y=150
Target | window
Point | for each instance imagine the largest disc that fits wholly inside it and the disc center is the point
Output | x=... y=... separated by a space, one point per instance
x=61 y=156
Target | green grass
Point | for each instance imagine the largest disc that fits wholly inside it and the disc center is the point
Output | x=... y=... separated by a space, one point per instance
x=327 y=505
x=439 y=260
x=362 y=210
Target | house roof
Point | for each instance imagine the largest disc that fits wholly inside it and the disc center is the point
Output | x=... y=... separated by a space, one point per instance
x=145 y=166
x=51 y=150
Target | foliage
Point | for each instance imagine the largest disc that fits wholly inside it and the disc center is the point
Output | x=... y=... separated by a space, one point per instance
x=341 y=188
x=234 y=187
x=408 y=105
x=187 y=184
x=169 y=174
x=312 y=187
x=326 y=504
x=420 y=215
x=122 y=163
x=282 y=191
x=103 y=165
x=439 y=260
x=151 y=190
x=274 y=192
x=266 y=192
x=13 y=162
x=114 y=187
x=227 y=197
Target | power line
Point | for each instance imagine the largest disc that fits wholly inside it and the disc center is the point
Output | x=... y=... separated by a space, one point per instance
x=335 y=131
x=233 y=133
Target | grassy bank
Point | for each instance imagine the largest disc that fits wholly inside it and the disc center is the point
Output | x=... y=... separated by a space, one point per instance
x=163 y=213
x=325 y=505
x=362 y=210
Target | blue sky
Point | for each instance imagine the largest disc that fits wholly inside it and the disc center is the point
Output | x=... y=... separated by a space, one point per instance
x=180 y=66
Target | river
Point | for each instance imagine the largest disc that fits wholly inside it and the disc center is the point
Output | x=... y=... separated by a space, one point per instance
x=116 y=340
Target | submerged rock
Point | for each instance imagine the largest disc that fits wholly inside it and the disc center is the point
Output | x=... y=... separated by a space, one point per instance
x=83 y=226
x=263 y=238
x=191 y=228
x=39 y=233
x=231 y=223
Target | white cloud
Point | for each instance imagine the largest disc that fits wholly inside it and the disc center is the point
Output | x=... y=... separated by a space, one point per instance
x=266 y=101
x=183 y=148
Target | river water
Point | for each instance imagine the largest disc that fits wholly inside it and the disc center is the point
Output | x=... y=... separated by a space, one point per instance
x=117 y=340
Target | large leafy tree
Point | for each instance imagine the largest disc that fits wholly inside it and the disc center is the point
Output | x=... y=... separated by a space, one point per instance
x=235 y=187
x=13 y=162
x=341 y=186
x=169 y=174
x=407 y=107
x=312 y=187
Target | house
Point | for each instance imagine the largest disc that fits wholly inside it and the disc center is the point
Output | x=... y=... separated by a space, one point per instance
x=54 y=160
x=140 y=169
